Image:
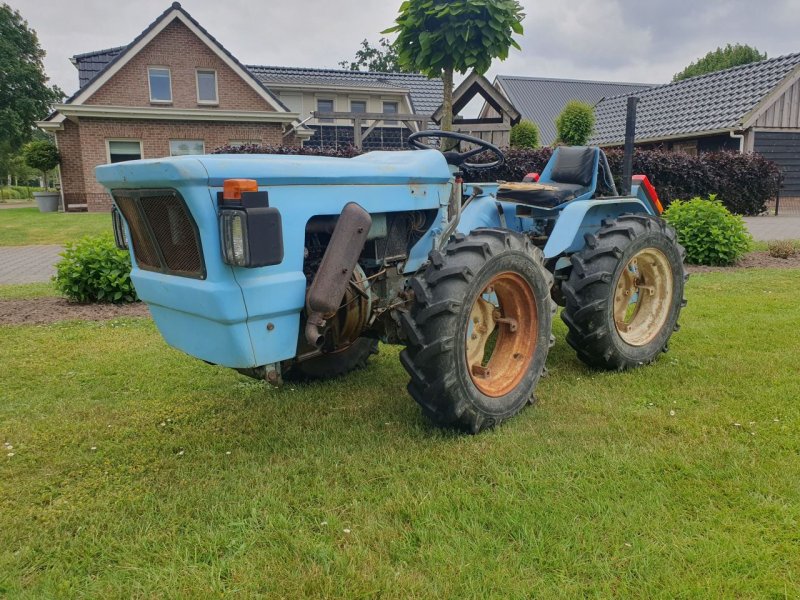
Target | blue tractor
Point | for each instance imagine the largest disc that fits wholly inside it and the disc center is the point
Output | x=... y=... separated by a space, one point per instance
x=293 y=267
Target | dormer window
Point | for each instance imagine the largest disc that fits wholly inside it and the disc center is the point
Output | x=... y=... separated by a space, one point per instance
x=160 y=84
x=207 y=86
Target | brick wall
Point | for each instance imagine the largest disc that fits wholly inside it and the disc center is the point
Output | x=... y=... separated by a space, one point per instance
x=183 y=52
x=83 y=147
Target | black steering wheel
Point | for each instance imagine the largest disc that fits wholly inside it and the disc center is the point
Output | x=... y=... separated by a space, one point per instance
x=459 y=159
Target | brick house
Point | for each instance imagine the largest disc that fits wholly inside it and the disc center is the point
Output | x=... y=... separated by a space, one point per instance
x=176 y=90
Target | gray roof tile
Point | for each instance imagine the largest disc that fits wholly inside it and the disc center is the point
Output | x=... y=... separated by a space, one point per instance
x=541 y=99
x=91 y=63
x=711 y=102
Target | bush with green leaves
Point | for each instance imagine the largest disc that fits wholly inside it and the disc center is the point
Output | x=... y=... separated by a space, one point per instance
x=575 y=123
x=525 y=134
x=93 y=269
x=711 y=234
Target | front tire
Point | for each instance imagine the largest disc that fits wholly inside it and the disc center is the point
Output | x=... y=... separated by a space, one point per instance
x=625 y=292
x=478 y=332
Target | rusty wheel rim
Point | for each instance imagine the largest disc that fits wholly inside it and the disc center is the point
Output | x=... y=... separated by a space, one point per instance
x=642 y=297
x=502 y=335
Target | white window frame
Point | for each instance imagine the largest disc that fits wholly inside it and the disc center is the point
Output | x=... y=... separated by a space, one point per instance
x=150 y=87
x=333 y=105
x=197 y=72
x=108 y=147
x=185 y=140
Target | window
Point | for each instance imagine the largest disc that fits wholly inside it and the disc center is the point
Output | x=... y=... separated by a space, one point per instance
x=390 y=108
x=325 y=105
x=358 y=106
x=207 y=87
x=122 y=150
x=183 y=147
x=160 y=84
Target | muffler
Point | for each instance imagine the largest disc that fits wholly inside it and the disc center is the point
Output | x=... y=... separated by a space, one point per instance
x=335 y=270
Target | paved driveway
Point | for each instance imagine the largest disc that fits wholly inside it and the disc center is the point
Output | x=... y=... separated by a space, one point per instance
x=765 y=229
x=28 y=264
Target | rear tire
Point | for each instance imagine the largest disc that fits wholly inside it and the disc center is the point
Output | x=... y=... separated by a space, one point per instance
x=625 y=292
x=334 y=364
x=474 y=363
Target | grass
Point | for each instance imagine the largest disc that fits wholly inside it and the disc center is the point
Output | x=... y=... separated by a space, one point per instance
x=26 y=291
x=28 y=226
x=140 y=472
x=761 y=246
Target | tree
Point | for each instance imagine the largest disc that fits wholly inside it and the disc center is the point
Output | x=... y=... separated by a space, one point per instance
x=41 y=155
x=382 y=59
x=575 y=123
x=440 y=37
x=525 y=134
x=721 y=58
x=25 y=96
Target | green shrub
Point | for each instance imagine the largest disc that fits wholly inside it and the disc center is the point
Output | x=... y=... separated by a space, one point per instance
x=711 y=234
x=575 y=123
x=525 y=134
x=95 y=270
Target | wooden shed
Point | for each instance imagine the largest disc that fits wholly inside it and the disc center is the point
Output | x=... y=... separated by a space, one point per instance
x=495 y=128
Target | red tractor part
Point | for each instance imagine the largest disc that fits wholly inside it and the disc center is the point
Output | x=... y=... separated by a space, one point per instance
x=650 y=191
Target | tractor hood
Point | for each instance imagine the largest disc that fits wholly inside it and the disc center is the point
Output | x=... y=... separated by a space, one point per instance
x=374 y=168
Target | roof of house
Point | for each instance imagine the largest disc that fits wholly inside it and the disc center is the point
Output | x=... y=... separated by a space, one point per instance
x=708 y=103
x=91 y=63
x=426 y=94
x=541 y=99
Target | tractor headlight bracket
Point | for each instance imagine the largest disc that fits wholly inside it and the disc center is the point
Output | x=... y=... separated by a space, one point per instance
x=119 y=229
x=251 y=232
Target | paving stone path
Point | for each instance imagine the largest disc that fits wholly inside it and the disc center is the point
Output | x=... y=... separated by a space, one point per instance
x=765 y=229
x=28 y=264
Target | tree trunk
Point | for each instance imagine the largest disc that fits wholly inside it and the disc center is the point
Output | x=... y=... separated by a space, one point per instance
x=447 y=105
x=447 y=116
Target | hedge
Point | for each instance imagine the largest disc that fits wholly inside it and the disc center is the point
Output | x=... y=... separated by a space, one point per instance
x=743 y=182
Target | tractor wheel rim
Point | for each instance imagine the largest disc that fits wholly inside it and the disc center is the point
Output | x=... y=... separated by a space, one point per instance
x=643 y=296
x=502 y=334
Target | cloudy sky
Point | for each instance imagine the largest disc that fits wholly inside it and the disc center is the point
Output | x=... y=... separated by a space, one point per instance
x=618 y=40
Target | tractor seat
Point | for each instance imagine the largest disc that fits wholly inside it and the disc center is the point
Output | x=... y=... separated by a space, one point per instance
x=543 y=195
x=569 y=173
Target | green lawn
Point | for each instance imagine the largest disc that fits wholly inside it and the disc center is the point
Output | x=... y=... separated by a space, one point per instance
x=139 y=472
x=27 y=226
x=25 y=291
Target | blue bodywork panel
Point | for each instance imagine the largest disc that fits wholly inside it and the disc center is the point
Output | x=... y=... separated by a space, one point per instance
x=224 y=317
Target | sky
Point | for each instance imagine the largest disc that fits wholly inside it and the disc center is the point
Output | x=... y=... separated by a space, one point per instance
x=642 y=41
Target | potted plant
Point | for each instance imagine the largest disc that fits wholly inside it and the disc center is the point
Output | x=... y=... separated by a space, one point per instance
x=43 y=156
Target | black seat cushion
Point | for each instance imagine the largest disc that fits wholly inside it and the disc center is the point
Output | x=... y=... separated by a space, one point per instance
x=542 y=198
x=574 y=165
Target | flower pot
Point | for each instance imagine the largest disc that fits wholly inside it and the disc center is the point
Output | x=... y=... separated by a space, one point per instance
x=47 y=201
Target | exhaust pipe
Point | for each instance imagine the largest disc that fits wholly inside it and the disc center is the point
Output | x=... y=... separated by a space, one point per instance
x=336 y=269
x=630 y=138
